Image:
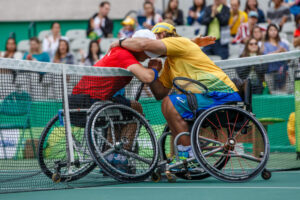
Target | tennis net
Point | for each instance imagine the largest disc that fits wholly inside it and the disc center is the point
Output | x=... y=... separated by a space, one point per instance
x=32 y=96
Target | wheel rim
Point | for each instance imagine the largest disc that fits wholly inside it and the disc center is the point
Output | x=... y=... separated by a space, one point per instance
x=241 y=144
x=141 y=155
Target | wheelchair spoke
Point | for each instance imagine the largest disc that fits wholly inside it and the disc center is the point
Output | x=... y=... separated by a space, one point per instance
x=210 y=140
x=103 y=138
x=130 y=154
x=245 y=156
x=107 y=152
x=210 y=153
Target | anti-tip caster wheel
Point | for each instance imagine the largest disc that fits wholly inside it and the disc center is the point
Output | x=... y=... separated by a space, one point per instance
x=156 y=177
x=171 y=177
x=266 y=175
x=56 y=178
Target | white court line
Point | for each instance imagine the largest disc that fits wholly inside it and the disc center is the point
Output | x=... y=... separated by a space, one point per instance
x=194 y=187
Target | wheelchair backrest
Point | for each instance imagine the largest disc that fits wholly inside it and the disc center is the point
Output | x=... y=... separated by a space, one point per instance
x=245 y=91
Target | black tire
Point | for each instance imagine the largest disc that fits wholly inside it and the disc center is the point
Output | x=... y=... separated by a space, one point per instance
x=96 y=134
x=183 y=175
x=53 y=151
x=236 y=145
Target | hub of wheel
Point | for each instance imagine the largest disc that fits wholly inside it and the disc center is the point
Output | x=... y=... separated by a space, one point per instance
x=229 y=146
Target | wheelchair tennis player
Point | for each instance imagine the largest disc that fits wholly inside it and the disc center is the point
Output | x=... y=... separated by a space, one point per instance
x=184 y=59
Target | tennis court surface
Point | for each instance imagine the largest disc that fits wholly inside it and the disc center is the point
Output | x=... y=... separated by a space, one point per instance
x=282 y=185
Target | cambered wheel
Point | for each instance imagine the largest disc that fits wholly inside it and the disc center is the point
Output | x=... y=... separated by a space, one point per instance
x=241 y=140
x=52 y=153
x=122 y=143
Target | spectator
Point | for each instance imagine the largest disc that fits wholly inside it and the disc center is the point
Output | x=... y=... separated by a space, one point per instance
x=173 y=13
x=50 y=42
x=141 y=12
x=294 y=6
x=252 y=5
x=257 y=78
x=237 y=17
x=245 y=29
x=216 y=19
x=62 y=54
x=196 y=13
x=276 y=76
x=258 y=34
x=297 y=32
x=94 y=54
x=278 y=14
x=100 y=25
x=128 y=28
x=35 y=53
x=150 y=18
x=10 y=52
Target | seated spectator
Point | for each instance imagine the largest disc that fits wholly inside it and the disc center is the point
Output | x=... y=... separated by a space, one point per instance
x=10 y=52
x=237 y=17
x=150 y=18
x=245 y=29
x=258 y=34
x=196 y=13
x=100 y=25
x=216 y=19
x=35 y=53
x=276 y=76
x=128 y=28
x=294 y=6
x=257 y=78
x=50 y=42
x=278 y=13
x=252 y=5
x=173 y=13
x=297 y=32
x=94 y=54
x=62 y=54
x=141 y=12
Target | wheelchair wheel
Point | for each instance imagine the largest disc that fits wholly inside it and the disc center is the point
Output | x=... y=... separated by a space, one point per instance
x=52 y=155
x=122 y=143
x=167 y=154
x=241 y=143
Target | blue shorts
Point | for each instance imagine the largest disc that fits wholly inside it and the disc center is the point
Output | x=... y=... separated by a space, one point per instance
x=205 y=102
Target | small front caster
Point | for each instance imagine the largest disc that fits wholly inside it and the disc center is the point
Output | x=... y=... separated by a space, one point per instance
x=156 y=177
x=171 y=177
x=56 y=178
x=266 y=175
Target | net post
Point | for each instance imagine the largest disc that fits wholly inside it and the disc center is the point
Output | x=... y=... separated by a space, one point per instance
x=297 y=111
x=70 y=150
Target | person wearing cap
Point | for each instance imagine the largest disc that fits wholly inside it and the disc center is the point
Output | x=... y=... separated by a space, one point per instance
x=184 y=58
x=245 y=29
x=128 y=28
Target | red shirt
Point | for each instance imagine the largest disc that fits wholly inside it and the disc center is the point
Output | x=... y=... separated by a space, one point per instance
x=105 y=87
x=297 y=33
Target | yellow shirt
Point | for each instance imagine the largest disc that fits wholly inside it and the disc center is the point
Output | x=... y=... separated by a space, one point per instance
x=186 y=59
x=243 y=17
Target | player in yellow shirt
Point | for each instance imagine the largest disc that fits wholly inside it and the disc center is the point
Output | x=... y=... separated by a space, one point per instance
x=184 y=59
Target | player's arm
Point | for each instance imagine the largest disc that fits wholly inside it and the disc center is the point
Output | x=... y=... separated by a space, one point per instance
x=143 y=44
x=143 y=74
x=159 y=90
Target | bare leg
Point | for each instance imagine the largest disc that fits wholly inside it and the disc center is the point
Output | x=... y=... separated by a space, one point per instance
x=175 y=121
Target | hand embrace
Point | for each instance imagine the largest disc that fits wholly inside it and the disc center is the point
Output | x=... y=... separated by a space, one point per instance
x=155 y=64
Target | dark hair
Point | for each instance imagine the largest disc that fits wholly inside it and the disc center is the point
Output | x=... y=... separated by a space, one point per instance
x=150 y=3
x=7 y=43
x=247 y=7
x=103 y=3
x=267 y=34
x=169 y=7
x=246 y=52
x=297 y=19
x=58 y=54
x=52 y=24
x=35 y=39
x=194 y=7
x=90 y=55
x=255 y=27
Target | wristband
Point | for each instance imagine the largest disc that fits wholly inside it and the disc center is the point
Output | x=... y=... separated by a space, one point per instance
x=155 y=75
x=120 y=41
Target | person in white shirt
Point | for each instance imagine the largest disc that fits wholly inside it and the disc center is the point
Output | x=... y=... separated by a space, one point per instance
x=50 y=42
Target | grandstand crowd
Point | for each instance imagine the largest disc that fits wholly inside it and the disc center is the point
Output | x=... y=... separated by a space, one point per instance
x=238 y=33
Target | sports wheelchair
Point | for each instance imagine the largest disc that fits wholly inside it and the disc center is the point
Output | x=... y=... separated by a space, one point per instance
x=228 y=143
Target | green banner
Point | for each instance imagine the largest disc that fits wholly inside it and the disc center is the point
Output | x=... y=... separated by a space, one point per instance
x=297 y=109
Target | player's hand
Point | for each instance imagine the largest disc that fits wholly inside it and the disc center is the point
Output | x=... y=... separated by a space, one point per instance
x=204 y=41
x=155 y=64
x=113 y=45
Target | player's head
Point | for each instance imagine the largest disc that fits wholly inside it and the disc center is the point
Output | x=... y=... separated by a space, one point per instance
x=144 y=33
x=163 y=30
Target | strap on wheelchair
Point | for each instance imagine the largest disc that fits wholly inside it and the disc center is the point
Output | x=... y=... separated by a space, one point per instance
x=192 y=102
